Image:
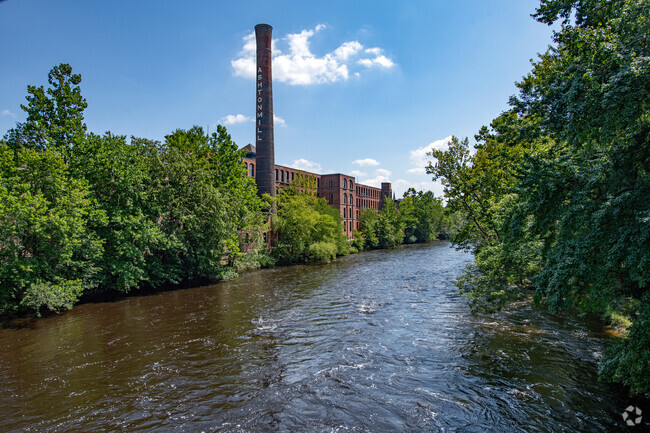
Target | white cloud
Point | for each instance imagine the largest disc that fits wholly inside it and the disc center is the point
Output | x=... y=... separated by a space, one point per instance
x=376 y=181
x=347 y=50
x=401 y=185
x=417 y=170
x=419 y=158
x=367 y=162
x=235 y=119
x=381 y=61
x=381 y=175
x=358 y=173
x=376 y=51
x=299 y=42
x=245 y=65
x=299 y=66
x=7 y=113
x=304 y=164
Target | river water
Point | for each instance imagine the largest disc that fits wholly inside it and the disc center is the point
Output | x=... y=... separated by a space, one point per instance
x=378 y=341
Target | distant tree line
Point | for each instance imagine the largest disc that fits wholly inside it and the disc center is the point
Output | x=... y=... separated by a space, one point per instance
x=418 y=217
x=307 y=228
x=556 y=196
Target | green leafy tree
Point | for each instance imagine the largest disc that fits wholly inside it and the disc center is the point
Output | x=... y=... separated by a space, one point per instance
x=159 y=213
x=368 y=228
x=240 y=190
x=193 y=140
x=422 y=216
x=54 y=115
x=304 y=184
x=193 y=213
x=173 y=210
x=474 y=184
x=224 y=160
x=389 y=227
x=465 y=192
x=120 y=178
x=383 y=229
x=481 y=187
x=306 y=227
x=48 y=257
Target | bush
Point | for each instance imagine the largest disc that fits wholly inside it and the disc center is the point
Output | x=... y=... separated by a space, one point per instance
x=52 y=296
x=265 y=260
x=252 y=260
x=322 y=251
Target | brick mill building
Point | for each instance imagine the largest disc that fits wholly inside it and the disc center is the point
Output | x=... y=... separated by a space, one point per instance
x=340 y=190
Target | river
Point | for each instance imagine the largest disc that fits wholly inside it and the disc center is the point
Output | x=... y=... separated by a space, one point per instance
x=378 y=341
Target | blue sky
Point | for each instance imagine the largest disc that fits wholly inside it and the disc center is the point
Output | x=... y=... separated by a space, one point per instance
x=359 y=87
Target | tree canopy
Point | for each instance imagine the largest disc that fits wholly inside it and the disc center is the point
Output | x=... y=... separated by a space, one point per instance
x=87 y=213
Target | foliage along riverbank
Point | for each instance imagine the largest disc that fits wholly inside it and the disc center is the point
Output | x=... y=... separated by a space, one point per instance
x=557 y=194
x=87 y=214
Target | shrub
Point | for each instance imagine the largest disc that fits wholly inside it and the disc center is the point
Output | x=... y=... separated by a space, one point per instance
x=322 y=251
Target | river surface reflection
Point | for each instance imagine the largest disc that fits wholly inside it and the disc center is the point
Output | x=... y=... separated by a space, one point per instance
x=379 y=341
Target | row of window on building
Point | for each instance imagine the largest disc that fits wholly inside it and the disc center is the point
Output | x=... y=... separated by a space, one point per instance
x=367 y=192
x=283 y=176
x=366 y=203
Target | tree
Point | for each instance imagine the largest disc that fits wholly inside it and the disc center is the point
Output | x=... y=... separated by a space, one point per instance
x=307 y=228
x=557 y=195
x=193 y=140
x=54 y=115
x=422 y=216
x=368 y=228
x=88 y=212
x=224 y=160
x=383 y=229
x=389 y=227
x=48 y=256
x=173 y=212
x=465 y=192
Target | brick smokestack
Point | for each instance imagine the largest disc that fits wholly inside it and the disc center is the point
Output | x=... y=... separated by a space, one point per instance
x=386 y=191
x=265 y=157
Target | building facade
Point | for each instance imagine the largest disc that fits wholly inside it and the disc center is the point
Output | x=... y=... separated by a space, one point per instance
x=341 y=191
